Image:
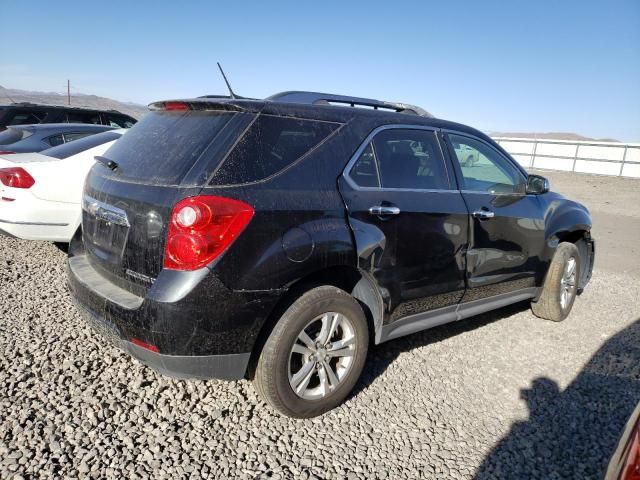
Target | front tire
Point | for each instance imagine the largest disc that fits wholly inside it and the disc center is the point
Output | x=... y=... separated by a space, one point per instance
x=561 y=285
x=314 y=355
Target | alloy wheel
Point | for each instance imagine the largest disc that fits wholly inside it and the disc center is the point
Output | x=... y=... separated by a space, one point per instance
x=322 y=356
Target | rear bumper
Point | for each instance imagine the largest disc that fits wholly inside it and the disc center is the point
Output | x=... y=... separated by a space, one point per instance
x=226 y=367
x=192 y=326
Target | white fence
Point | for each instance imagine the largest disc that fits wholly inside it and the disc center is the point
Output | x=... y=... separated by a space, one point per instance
x=603 y=158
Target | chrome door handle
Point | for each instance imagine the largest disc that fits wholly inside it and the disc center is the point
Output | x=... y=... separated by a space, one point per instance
x=483 y=214
x=383 y=210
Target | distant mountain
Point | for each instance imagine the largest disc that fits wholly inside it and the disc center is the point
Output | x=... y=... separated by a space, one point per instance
x=9 y=95
x=552 y=136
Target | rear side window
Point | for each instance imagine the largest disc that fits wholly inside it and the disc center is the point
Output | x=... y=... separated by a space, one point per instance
x=163 y=146
x=71 y=137
x=84 y=117
x=25 y=118
x=119 y=121
x=270 y=145
x=55 y=140
x=75 y=147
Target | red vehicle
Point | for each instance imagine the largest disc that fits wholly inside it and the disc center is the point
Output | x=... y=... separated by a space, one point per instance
x=625 y=462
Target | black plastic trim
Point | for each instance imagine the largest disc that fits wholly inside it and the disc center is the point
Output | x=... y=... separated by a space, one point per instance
x=440 y=316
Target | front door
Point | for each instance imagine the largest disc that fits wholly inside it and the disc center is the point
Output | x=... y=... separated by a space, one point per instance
x=506 y=235
x=409 y=221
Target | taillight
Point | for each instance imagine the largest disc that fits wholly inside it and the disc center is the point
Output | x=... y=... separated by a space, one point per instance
x=201 y=228
x=16 y=177
x=172 y=106
x=146 y=346
x=6 y=152
x=631 y=469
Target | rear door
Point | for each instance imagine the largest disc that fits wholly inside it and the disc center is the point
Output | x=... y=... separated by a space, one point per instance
x=409 y=220
x=506 y=225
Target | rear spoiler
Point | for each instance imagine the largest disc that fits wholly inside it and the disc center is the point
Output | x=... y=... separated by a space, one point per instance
x=178 y=105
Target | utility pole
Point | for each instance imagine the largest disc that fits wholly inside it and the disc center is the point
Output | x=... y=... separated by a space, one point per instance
x=68 y=92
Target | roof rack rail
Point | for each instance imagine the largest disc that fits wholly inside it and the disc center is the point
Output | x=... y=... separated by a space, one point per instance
x=317 y=98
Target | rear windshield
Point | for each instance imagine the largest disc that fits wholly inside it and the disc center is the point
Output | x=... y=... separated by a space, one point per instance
x=270 y=145
x=163 y=146
x=72 y=148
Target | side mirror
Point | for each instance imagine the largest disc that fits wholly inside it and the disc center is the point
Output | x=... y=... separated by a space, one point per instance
x=537 y=185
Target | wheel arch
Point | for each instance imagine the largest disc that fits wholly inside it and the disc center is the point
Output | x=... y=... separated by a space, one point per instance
x=352 y=280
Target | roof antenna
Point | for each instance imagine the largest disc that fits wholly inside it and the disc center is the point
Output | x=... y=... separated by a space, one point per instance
x=231 y=94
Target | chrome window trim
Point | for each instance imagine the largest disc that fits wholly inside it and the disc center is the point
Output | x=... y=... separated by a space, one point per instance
x=497 y=194
x=354 y=158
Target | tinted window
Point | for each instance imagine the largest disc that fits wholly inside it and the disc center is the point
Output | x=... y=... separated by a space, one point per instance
x=484 y=169
x=69 y=149
x=70 y=137
x=163 y=146
x=84 y=117
x=365 y=172
x=55 y=140
x=26 y=118
x=119 y=121
x=270 y=145
x=410 y=159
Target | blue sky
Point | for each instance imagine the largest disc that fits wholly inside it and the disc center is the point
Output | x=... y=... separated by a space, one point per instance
x=536 y=66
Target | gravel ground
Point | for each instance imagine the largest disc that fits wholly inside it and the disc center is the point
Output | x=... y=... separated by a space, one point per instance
x=486 y=397
x=503 y=395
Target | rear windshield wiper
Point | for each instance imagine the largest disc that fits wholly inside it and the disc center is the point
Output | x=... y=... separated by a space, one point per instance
x=110 y=164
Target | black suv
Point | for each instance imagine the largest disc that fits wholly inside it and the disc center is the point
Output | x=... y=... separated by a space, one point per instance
x=31 y=113
x=277 y=239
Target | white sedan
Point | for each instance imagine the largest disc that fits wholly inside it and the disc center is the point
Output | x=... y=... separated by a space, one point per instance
x=40 y=193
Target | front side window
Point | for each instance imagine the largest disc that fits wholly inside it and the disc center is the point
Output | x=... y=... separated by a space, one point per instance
x=410 y=159
x=484 y=169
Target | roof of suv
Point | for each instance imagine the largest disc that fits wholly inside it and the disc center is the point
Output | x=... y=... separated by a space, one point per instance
x=40 y=106
x=324 y=106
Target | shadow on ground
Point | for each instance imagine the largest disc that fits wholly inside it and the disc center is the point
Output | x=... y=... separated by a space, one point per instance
x=572 y=433
x=381 y=356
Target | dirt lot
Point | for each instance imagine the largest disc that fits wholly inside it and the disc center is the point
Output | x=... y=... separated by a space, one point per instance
x=501 y=396
x=614 y=203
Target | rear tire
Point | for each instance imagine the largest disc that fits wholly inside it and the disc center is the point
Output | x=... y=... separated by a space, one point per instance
x=314 y=355
x=561 y=284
